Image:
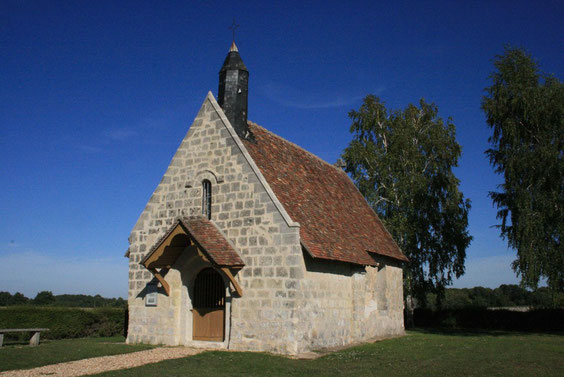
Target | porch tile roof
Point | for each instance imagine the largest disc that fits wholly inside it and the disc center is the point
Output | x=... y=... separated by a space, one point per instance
x=206 y=236
x=209 y=237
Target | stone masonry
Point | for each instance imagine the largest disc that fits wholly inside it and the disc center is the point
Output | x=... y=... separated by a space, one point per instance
x=291 y=302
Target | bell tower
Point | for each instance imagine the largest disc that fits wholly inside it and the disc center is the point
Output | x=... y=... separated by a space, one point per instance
x=233 y=92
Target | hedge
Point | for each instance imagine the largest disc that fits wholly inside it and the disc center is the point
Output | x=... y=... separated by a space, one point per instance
x=65 y=322
x=545 y=320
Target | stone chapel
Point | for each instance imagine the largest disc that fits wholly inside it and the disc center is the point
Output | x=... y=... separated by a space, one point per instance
x=250 y=242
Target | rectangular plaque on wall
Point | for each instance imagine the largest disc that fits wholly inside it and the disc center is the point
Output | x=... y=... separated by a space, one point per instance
x=151 y=296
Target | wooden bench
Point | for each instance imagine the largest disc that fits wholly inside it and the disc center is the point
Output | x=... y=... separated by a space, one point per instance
x=34 y=341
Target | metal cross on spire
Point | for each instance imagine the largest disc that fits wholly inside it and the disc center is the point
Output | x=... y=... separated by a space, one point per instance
x=233 y=27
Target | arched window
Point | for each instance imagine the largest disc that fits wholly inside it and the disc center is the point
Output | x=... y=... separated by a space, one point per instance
x=206 y=198
x=209 y=290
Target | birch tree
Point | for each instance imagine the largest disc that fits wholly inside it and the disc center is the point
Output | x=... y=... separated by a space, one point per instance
x=525 y=110
x=401 y=161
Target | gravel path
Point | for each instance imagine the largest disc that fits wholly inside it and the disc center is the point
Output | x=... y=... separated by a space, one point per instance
x=105 y=363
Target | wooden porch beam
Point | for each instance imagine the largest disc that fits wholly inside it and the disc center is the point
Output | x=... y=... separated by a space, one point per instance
x=161 y=280
x=231 y=278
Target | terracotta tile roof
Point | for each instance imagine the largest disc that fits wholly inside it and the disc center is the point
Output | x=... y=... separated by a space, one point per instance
x=210 y=238
x=336 y=221
x=206 y=236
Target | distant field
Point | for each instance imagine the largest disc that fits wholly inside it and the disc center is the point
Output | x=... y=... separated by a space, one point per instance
x=420 y=353
x=22 y=356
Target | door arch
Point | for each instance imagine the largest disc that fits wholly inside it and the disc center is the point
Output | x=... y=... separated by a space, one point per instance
x=208 y=306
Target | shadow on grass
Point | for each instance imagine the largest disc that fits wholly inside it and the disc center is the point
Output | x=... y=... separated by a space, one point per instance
x=478 y=332
x=19 y=343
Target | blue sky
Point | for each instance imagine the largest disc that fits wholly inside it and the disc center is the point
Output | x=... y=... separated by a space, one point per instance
x=95 y=97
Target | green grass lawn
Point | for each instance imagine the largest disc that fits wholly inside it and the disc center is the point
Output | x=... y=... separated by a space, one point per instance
x=420 y=353
x=22 y=356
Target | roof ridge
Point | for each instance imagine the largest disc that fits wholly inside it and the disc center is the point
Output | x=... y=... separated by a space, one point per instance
x=296 y=145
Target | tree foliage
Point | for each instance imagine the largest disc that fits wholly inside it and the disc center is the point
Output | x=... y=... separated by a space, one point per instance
x=506 y=295
x=525 y=110
x=46 y=298
x=401 y=161
x=17 y=299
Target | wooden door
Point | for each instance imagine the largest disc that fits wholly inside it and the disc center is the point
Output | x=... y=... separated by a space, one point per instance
x=209 y=306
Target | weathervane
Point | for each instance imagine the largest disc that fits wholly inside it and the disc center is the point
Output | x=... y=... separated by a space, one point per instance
x=233 y=27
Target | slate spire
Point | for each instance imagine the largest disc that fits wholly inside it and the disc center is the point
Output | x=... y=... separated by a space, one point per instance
x=233 y=92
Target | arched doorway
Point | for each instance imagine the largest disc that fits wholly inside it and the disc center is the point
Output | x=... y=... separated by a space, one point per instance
x=209 y=306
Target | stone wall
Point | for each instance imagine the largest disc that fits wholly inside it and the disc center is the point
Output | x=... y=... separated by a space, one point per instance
x=290 y=303
x=244 y=209
x=344 y=303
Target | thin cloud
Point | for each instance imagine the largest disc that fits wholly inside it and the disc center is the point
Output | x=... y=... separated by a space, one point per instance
x=101 y=143
x=120 y=134
x=164 y=119
x=89 y=148
x=169 y=118
x=291 y=97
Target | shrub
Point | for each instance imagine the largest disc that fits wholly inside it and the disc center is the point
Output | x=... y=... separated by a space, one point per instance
x=64 y=322
x=482 y=318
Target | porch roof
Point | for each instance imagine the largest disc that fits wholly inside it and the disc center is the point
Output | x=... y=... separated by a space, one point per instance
x=192 y=230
